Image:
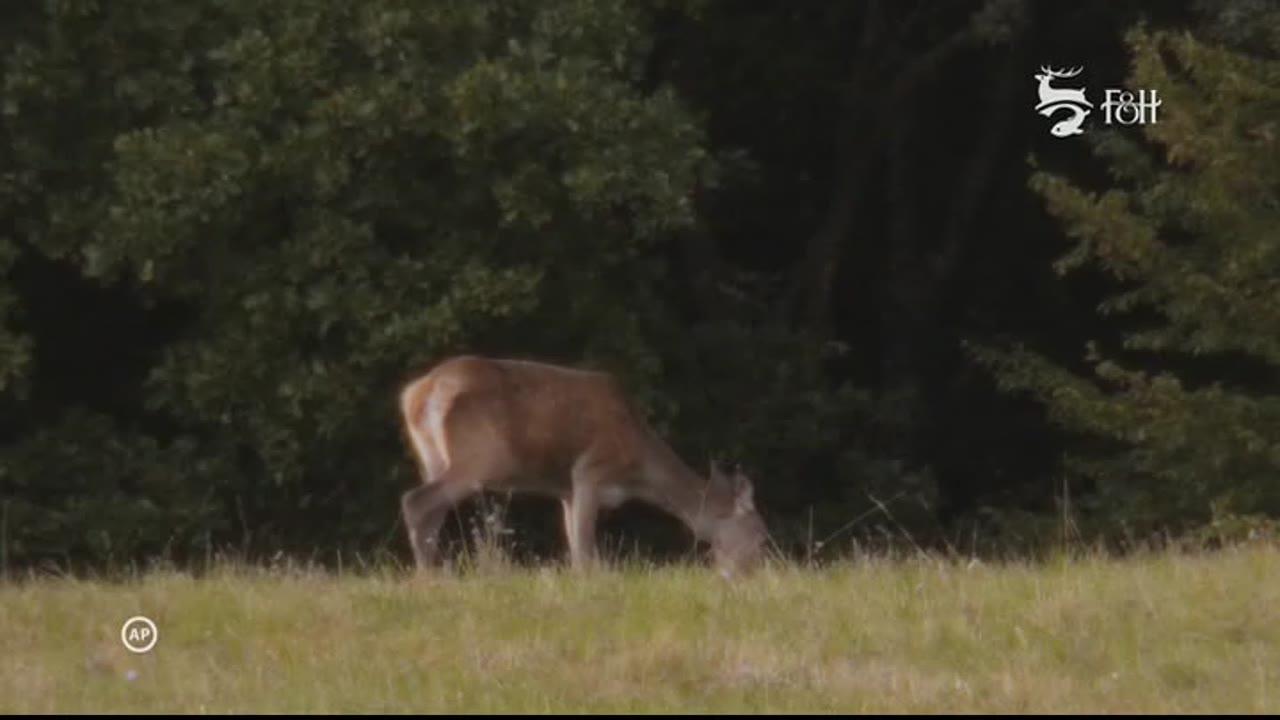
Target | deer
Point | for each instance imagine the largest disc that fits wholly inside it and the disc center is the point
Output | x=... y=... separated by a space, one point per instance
x=1053 y=99
x=1050 y=95
x=478 y=424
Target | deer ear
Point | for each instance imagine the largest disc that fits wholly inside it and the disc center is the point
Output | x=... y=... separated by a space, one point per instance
x=743 y=493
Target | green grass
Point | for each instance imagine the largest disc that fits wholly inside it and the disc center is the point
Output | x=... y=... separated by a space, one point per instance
x=1160 y=633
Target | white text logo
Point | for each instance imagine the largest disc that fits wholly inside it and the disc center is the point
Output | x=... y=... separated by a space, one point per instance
x=1119 y=106
x=139 y=634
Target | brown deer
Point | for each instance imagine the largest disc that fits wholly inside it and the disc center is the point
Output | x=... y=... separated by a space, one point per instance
x=480 y=424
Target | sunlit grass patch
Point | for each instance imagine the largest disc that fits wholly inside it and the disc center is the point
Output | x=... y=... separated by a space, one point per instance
x=1153 y=633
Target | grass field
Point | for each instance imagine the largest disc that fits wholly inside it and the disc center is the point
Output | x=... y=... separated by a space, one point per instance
x=1160 y=633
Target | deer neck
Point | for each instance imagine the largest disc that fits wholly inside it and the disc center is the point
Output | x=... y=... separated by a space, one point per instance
x=681 y=491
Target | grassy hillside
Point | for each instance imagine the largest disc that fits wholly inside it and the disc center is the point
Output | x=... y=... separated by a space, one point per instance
x=1157 y=633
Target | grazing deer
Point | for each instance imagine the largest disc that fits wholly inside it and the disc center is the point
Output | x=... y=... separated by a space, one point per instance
x=484 y=424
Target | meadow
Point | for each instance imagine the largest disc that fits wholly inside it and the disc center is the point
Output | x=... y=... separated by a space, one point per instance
x=1154 y=632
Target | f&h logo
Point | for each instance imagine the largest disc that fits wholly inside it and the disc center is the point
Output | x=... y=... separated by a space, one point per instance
x=1119 y=106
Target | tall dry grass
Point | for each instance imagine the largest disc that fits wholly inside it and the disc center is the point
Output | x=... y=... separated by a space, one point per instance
x=1151 y=633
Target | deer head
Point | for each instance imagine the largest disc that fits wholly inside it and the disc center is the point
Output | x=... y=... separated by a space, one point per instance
x=737 y=543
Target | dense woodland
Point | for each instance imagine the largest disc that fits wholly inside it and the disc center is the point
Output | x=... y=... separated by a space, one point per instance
x=833 y=242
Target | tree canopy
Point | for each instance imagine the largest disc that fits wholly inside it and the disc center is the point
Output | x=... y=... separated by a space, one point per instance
x=1188 y=411
x=230 y=232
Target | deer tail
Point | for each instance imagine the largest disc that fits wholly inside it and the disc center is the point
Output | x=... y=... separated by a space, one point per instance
x=423 y=408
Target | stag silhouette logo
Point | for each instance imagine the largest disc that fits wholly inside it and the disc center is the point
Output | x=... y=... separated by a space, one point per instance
x=1054 y=99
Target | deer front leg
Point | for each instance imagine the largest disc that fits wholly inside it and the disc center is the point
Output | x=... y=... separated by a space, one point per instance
x=581 y=518
x=566 y=504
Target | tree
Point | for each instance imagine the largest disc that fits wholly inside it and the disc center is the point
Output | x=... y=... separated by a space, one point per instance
x=1180 y=427
x=336 y=195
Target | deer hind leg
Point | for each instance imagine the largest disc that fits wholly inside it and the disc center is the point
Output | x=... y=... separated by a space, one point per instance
x=425 y=509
